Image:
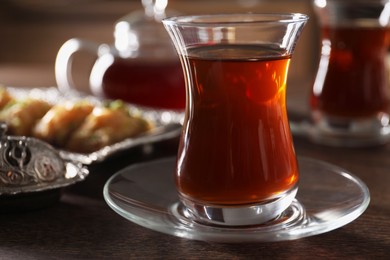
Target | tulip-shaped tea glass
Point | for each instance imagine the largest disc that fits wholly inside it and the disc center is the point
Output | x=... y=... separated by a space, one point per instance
x=350 y=99
x=236 y=163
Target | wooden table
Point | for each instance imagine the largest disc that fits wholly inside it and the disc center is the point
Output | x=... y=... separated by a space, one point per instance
x=81 y=224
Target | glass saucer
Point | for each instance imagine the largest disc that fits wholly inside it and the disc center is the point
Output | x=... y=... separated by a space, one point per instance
x=344 y=133
x=329 y=197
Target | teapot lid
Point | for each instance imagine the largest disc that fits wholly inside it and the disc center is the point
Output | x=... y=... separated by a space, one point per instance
x=142 y=33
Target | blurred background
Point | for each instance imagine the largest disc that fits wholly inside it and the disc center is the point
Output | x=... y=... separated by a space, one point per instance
x=32 y=31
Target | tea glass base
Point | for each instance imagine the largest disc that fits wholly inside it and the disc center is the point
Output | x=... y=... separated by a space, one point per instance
x=355 y=132
x=146 y=195
x=242 y=215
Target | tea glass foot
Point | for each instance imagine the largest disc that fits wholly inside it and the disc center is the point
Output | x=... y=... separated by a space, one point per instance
x=329 y=197
x=238 y=215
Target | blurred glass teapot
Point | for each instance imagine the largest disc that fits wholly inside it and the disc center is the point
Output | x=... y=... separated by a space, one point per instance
x=141 y=67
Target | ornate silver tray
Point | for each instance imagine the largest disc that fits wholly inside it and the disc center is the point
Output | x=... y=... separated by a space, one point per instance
x=28 y=165
x=167 y=124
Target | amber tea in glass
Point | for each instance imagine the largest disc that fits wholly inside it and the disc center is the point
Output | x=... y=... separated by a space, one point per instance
x=240 y=150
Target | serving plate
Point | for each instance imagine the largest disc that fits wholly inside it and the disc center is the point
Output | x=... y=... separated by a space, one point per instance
x=166 y=123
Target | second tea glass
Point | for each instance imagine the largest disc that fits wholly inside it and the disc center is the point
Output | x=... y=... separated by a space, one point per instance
x=236 y=163
x=350 y=99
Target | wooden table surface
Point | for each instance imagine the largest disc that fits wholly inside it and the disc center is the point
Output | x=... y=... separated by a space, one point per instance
x=82 y=226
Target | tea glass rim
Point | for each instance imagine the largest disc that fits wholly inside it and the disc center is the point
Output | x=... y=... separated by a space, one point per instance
x=234 y=19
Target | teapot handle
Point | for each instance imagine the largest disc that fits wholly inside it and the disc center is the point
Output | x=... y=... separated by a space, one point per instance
x=63 y=63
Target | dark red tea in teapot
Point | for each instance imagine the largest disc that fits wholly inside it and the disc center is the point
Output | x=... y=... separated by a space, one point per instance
x=152 y=84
